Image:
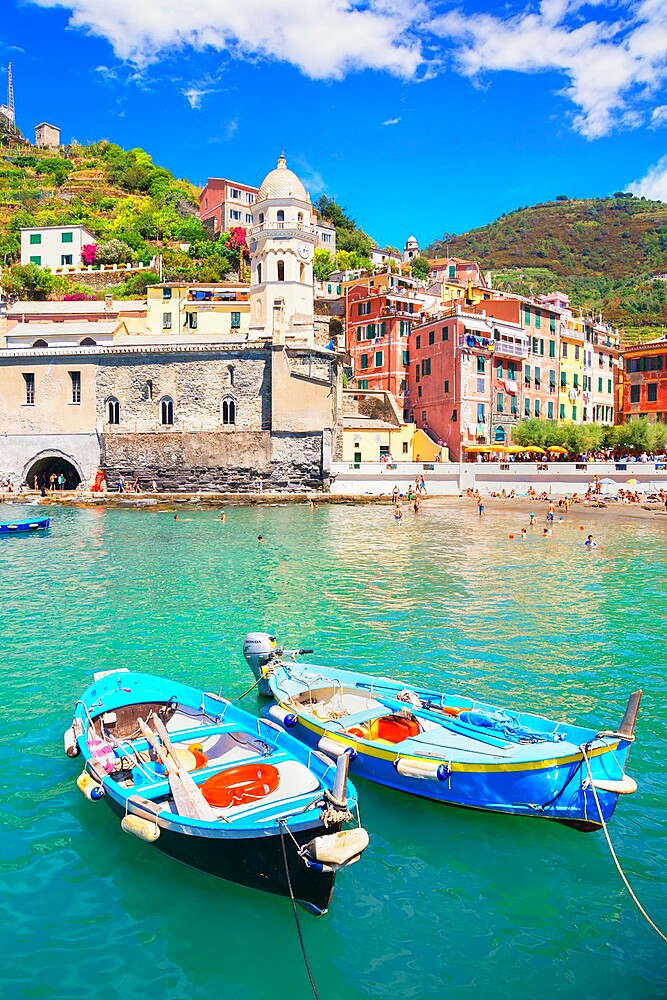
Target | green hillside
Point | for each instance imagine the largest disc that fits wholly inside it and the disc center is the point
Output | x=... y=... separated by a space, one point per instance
x=604 y=252
x=121 y=197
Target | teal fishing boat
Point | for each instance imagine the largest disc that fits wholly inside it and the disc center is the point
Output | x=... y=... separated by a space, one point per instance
x=214 y=787
x=446 y=746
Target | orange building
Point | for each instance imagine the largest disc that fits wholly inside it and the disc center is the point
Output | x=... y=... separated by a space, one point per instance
x=643 y=382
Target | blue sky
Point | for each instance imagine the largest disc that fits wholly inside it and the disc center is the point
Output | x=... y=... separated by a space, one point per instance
x=419 y=116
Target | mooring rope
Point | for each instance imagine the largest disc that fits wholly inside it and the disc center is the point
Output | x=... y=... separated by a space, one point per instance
x=259 y=679
x=613 y=852
x=296 y=913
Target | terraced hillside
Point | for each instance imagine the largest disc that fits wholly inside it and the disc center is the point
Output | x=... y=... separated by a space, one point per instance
x=119 y=195
x=604 y=252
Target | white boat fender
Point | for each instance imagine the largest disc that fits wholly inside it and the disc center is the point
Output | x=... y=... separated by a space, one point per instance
x=624 y=786
x=422 y=769
x=336 y=850
x=334 y=749
x=89 y=787
x=70 y=744
x=283 y=717
x=141 y=828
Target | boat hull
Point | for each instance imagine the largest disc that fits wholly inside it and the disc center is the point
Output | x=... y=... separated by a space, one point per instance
x=256 y=862
x=24 y=527
x=558 y=790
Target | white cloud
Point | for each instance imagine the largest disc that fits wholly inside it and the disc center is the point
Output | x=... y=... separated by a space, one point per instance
x=194 y=96
x=391 y=121
x=654 y=184
x=610 y=54
x=324 y=39
x=612 y=67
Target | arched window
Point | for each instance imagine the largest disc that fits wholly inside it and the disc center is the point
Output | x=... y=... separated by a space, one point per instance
x=302 y=273
x=228 y=410
x=230 y=374
x=260 y=217
x=166 y=411
x=40 y=343
x=113 y=410
x=88 y=342
x=280 y=215
x=281 y=270
x=259 y=273
x=500 y=435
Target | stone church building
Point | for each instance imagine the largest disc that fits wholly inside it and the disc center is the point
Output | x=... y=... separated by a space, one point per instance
x=188 y=413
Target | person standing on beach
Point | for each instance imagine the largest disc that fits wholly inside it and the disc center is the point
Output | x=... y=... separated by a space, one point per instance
x=480 y=506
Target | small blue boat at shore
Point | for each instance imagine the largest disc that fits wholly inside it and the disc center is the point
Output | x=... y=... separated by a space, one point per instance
x=21 y=527
x=448 y=747
x=215 y=787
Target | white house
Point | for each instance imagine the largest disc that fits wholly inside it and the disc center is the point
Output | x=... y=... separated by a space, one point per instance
x=54 y=246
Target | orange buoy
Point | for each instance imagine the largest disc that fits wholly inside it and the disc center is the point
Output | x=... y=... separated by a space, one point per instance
x=511 y=536
x=201 y=760
x=581 y=527
x=238 y=785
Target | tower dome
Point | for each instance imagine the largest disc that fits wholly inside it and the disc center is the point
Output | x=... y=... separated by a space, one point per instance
x=282 y=183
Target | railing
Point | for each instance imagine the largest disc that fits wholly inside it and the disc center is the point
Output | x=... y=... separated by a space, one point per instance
x=514 y=350
x=265 y=227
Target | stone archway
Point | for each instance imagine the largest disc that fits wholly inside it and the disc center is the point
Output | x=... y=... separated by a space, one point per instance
x=51 y=463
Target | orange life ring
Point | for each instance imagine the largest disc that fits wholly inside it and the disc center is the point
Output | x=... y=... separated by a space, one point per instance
x=238 y=785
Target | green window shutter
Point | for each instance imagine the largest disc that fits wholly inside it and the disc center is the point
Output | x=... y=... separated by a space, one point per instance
x=36 y=260
x=35 y=239
x=67 y=238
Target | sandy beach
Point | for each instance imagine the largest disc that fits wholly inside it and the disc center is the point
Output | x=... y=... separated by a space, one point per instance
x=521 y=506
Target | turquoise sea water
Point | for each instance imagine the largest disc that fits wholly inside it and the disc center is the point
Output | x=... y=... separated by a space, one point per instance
x=445 y=901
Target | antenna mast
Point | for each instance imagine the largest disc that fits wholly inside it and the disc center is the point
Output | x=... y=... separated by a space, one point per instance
x=10 y=94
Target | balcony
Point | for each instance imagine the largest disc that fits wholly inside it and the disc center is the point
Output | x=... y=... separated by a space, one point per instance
x=503 y=348
x=283 y=227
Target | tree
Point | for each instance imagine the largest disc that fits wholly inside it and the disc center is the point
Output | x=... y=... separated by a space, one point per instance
x=323 y=264
x=420 y=267
x=28 y=281
x=114 y=252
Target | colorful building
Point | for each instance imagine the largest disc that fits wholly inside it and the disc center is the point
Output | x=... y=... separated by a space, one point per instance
x=643 y=383
x=464 y=381
x=196 y=310
x=379 y=319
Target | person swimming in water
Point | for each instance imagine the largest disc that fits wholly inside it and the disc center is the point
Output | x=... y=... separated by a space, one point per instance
x=398 y=513
x=532 y=519
x=591 y=543
x=524 y=534
x=547 y=533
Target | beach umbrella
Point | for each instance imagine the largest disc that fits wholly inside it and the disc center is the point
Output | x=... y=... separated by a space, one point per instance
x=632 y=482
x=514 y=449
x=557 y=449
x=537 y=451
x=608 y=482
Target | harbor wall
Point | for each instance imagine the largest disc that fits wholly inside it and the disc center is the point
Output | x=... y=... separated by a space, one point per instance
x=454 y=478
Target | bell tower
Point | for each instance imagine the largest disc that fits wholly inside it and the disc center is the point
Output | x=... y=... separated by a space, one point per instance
x=282 y=247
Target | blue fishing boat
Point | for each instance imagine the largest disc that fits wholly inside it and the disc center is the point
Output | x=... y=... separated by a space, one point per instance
x=448 y=747
x=215 y=787
x=18 y=527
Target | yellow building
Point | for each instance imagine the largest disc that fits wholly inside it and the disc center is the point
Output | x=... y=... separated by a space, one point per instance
x=572 y=403
x=201 y=311
x=374 y=431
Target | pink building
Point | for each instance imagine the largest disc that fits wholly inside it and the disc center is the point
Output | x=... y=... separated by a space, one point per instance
x=464 y=378
x=228 y=203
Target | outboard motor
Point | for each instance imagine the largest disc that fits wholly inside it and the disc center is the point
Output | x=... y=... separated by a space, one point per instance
x=259 y=648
